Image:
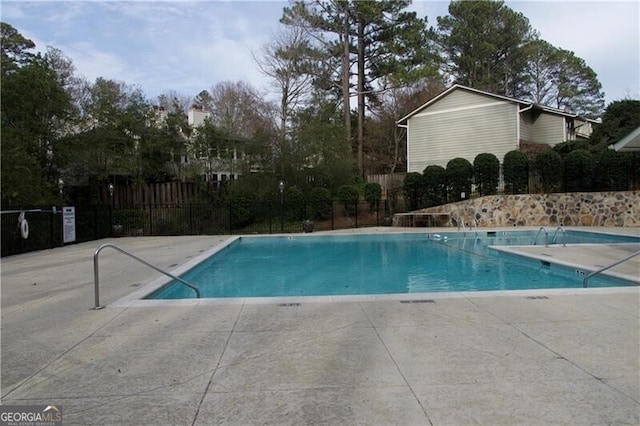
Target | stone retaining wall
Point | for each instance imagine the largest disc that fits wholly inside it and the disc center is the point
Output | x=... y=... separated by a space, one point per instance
x=568 y=209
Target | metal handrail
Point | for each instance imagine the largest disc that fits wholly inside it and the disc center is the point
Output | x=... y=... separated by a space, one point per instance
x=474 y=222
x=564 y=236
x=584 y=281
x=96 y=278
x=546 y=237
x=460 y=221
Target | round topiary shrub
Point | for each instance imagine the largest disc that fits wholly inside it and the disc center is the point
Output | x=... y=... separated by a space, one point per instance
x=548 y=166
x=348 y=195
x=320 y=203
x=486 y=173
x=295 y=204
x=241 y=207
x=413 y=190
x=578 y=166
x=516 y=172
x=373 y=194
x=459 y=179
x=613 y=171
x=435 y=185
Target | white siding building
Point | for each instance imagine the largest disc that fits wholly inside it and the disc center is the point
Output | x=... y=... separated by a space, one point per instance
x=464 y=122
x=217 y=166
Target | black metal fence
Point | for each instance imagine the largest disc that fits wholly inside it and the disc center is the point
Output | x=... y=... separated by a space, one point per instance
x=96 y=222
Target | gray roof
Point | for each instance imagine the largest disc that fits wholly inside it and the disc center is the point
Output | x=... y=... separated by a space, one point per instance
x=631 y=142
x=481 y=92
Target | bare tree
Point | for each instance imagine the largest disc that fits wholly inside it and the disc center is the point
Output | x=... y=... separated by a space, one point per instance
x=329 y=24
x=238 y=109
x=170 y=99
x=286 y=61
x=387 y=151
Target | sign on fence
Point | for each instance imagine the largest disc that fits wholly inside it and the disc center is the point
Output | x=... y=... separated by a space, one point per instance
x=69 y=224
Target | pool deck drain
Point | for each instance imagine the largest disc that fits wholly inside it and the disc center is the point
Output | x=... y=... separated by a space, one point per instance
x=503 y=358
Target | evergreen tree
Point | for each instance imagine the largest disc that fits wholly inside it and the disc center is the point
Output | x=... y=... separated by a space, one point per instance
x=484 y=45
x=562 y=80
x=34 y=110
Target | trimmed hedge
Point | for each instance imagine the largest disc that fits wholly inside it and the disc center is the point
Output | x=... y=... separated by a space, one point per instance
x=413 y=189
x=613 y=171
x=578 y=171
x=373 y=194
x=295 y=202
x=435 y=185
x=348 y=195
x=548 y=165
x=516 y=172
x=321 y=203
x=486 y=173
x=459 y=179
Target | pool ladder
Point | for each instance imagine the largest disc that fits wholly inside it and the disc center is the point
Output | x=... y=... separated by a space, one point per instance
x=96 y=278
x=553 y=239
x=472 y=225
x=564 y=236
x=616 y=263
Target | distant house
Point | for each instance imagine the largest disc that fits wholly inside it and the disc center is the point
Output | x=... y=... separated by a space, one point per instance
x=464 y=122
x=218 y=165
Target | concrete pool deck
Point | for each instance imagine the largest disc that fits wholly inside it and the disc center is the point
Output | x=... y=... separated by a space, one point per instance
x=538 y=357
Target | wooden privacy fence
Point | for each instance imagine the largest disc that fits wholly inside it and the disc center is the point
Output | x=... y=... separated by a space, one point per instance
x=168 y=193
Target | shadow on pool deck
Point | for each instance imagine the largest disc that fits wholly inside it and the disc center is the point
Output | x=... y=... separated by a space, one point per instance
x=525 y=358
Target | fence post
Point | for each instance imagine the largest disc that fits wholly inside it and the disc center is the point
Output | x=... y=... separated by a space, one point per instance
x=377 y=212
x=95 y=223
x=332 y=224
x=270 y=219
x=357 y=202
x=190 y=219
x=150 y=219
x=51 y=228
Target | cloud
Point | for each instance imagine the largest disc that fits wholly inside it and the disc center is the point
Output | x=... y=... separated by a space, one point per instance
x=92 y=62
x=189 y=46
x=12 y=11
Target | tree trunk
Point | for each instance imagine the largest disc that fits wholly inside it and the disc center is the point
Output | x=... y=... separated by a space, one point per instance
x=345 y=78
x=361 y=78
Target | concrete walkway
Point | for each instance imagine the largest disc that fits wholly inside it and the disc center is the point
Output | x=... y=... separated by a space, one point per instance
x=535 y=358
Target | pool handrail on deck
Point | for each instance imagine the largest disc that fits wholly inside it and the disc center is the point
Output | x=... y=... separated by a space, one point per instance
x=616 y=263
x=96 y=278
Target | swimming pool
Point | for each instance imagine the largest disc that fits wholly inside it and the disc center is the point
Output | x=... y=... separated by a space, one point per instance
x=316 y=265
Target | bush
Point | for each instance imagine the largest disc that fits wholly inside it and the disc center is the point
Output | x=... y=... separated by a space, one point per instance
x=320 y=202
x=131 y=219
x=516 y=172
x=348 y=195
x=295 y=204
x=613 y=171
x=566 y=147
x=413 y=189
x=434 y=179
x=578 y=166
x=548 y=165
x=242 y=207
x=459 y=179
x=372 y=193
x=486 y=172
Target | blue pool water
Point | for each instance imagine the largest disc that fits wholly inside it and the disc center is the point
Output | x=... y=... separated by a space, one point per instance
x=377 y=264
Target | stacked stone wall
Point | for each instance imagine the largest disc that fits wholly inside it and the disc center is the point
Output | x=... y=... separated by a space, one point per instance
x=568 y=209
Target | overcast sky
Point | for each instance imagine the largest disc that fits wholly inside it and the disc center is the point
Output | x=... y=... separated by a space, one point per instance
x=189 y=46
